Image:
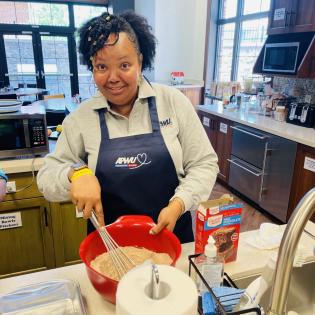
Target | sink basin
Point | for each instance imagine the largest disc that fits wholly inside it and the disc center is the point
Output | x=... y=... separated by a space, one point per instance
x=301 y=297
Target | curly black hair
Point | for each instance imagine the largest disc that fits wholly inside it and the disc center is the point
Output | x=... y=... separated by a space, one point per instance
x=93 y=36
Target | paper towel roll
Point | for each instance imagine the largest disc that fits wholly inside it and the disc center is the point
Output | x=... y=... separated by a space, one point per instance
x=178 y=293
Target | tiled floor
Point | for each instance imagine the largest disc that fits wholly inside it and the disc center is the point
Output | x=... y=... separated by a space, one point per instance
x=251 y=218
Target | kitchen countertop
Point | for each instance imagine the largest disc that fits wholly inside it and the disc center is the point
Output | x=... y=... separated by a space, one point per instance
x=95 y=303
x=251 y=118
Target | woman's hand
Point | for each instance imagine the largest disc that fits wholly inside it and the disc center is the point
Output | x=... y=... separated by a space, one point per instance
x=85 y=193
x=168 y=216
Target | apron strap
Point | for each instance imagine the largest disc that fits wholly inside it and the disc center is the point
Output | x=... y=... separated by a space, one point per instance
x=153 y=115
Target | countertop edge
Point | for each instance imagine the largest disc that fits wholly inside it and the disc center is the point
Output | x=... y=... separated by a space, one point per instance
x=305 y=140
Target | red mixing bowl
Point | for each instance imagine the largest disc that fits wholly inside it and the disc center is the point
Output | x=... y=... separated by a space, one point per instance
x=129 y=230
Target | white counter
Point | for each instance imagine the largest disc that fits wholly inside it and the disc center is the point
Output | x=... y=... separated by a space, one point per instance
x=250 y=261
x=251 y=118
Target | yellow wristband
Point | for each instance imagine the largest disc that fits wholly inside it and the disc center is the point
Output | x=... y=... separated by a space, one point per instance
x=79 y=173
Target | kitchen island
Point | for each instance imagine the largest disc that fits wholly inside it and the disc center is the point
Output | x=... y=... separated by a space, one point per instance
x=250 y=261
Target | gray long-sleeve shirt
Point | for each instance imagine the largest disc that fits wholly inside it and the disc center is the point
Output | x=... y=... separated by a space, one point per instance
x=185 y=138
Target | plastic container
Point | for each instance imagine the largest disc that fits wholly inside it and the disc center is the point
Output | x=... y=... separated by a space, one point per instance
x=211 y=266
x=56 y=297
x=130 y=230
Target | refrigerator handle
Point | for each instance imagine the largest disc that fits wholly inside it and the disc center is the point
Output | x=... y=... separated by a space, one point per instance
x=263 y=172
x=249 y=133
x=244 y=168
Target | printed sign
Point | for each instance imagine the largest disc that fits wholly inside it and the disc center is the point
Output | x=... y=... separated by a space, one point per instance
x=206 y=121
x=279 y=14
x=309 y=164
x=10 y=220
x=223 y=128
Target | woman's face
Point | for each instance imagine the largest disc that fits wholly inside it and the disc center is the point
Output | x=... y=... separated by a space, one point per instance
x=116 y=72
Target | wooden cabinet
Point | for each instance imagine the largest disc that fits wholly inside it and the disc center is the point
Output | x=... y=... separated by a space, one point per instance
x=193 y=93
x=50 y=234
x=29 y=247
x=291 y=16
x=220 y=135
x=303 y=178
x=68 y=233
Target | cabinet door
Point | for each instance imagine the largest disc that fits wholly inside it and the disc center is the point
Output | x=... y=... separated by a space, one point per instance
x=68 y=233
x=29 y=247
x=223 y=147
x=302 y=16
x=303 y=177
x=209 y=122
x=279 y=17
x=194 y=95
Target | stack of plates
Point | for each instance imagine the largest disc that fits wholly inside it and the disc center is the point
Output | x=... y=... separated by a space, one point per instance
x=10 y=106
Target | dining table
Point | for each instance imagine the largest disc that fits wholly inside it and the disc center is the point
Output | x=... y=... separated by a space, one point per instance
x=24 y=92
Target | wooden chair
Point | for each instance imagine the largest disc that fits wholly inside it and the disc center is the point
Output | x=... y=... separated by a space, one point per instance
x=46 y=97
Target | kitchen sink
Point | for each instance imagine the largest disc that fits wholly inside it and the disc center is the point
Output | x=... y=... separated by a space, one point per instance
x=301 y=297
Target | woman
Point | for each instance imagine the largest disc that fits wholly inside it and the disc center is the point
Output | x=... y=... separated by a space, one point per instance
x=140 y=146
x=3 y=185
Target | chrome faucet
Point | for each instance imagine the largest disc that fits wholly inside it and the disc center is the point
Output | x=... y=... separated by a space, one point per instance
x=289 y=243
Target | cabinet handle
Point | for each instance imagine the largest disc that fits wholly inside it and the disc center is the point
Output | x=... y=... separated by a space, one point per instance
x=244 y=168
x=46 y=217
x=249 y=133
x=292 y=21
x=286 y=19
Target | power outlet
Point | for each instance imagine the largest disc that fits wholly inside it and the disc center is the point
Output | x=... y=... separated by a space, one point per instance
x=11 y=187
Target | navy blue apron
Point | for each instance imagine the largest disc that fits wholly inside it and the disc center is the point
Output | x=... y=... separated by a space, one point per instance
x=137 y=175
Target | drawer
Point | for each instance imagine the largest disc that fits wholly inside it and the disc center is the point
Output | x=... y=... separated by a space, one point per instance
x=23 y=180
x=249 y=144
x=245 y=178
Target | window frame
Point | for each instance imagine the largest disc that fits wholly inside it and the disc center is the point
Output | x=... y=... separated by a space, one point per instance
x=238 y=19
x=68 y=31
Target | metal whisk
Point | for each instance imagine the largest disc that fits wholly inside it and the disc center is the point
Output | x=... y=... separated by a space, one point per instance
x=120 y=259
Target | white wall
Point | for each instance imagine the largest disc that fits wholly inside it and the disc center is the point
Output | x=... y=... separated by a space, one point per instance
x=180 y=28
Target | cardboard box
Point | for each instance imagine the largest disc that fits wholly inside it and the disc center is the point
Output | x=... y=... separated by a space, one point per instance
x=220 y=218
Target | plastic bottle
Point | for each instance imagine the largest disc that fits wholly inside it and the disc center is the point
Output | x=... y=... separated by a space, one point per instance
x=211 y=267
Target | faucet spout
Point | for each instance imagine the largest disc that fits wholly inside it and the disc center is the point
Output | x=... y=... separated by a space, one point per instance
x=288 y=247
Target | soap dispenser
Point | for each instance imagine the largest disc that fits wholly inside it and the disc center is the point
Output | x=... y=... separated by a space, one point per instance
x=211 y=266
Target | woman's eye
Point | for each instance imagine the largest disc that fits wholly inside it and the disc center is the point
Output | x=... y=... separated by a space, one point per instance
x=101 y=67
x=125 y=66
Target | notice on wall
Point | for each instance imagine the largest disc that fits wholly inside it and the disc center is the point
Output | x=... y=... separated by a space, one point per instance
x=223 y=127
x=279 y=14
x=206 y=121
x=10 y=220
x=309 y=164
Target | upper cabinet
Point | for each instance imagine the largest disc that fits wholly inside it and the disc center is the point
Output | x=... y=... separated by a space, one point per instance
x=291 y=16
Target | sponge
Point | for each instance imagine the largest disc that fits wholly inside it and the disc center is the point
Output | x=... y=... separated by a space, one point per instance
x=227 y=296
x=208 y=304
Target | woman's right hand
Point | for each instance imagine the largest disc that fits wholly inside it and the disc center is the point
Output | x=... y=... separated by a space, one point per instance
x=85 y=193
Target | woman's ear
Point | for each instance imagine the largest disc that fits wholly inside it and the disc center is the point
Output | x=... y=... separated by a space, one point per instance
x=140 y=60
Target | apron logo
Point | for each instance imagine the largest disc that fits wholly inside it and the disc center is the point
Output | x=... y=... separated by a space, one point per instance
x=166 y=122
x=132 y=161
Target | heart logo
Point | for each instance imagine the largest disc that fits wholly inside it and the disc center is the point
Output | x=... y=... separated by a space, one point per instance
x=142 y=157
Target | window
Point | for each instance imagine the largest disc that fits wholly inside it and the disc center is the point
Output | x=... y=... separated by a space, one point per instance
x=13 y=12
x=83 y=13
x=39 y=46
x=241 y=33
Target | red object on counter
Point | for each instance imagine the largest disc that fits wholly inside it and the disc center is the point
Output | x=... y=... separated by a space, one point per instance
x=129 y=230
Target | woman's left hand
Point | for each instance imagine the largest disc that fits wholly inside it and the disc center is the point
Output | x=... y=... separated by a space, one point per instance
x=168 y=217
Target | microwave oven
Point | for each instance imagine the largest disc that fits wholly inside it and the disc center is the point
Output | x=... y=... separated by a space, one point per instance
x=281 y=57
x=23 y=133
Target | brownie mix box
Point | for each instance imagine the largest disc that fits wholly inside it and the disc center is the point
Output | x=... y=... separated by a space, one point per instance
x=220 y=218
